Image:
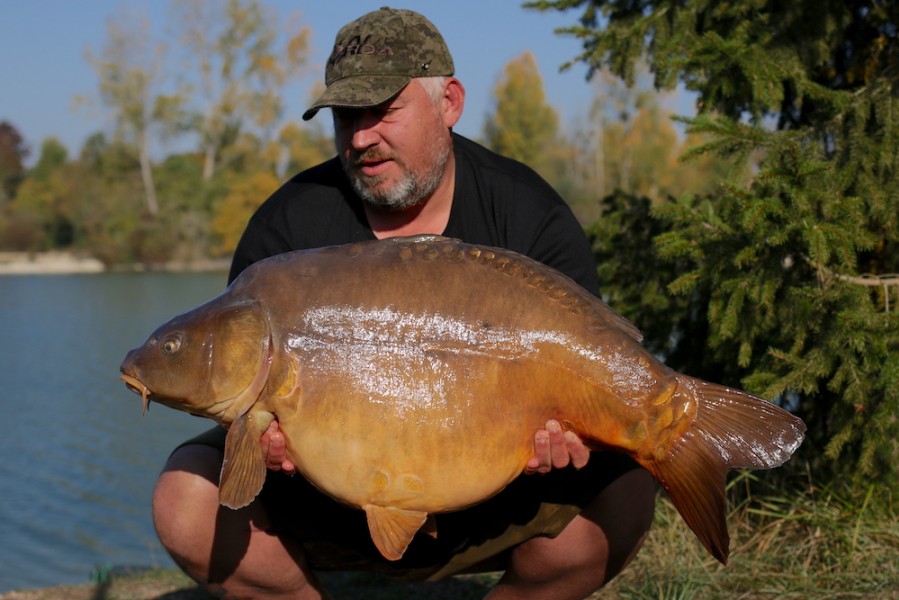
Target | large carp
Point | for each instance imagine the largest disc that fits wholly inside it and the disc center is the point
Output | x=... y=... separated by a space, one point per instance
x=386 y=362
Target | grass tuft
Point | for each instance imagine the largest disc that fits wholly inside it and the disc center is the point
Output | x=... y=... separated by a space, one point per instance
x=821 y=542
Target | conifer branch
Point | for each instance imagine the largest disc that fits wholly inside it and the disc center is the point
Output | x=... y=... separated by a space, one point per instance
x=885 y=280
x=869 y=279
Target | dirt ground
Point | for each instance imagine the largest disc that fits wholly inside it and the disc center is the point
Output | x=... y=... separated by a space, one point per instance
x=151 y=585
x=173 y=585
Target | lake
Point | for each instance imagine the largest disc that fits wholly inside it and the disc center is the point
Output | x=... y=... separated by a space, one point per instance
x=77 y=460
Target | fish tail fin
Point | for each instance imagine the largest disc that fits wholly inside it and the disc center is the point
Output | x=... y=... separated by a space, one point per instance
x=731 y=429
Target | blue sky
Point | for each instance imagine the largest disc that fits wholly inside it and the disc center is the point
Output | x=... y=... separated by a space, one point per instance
x=42 y=64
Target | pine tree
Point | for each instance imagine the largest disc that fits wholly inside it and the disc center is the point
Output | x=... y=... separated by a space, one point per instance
x=786 y=285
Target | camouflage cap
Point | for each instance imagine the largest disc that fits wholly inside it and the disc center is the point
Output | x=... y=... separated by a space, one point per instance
x=376 y=56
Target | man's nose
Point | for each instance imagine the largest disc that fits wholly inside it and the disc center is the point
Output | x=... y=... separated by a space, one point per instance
x=365 y=130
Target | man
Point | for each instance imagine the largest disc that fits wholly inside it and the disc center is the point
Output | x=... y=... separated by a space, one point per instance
x=559 y=531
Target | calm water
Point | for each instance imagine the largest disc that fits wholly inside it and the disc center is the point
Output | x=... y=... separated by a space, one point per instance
x=77 y=460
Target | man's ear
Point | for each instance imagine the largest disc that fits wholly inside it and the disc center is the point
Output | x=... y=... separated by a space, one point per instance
x=453 y=101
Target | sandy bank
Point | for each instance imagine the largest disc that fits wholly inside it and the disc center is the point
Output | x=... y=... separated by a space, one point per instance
x=63 y=263
x=47 y=263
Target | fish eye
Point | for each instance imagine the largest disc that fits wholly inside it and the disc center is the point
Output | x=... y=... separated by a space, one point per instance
x=171 y=344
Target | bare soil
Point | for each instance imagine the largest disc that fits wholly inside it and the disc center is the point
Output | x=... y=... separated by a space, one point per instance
x=173 y=585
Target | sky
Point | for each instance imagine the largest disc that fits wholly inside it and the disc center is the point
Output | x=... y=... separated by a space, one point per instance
x=43 y=66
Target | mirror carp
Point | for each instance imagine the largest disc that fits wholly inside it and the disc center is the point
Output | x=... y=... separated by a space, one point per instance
x=409 y=375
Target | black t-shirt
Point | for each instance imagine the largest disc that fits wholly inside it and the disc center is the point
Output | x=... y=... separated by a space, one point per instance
x=497 y=202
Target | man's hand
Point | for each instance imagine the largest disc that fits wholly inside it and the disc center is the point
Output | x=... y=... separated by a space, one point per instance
x=276 y=450
x=556 y=449
x=553 y=449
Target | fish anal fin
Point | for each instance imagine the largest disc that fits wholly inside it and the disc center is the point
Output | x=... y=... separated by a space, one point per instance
x=392 y=529
x=243 y=467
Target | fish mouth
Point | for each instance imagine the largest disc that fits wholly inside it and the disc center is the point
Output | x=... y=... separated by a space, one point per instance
x=136 y=386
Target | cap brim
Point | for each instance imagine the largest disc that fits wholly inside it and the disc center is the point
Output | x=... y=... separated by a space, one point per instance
x=360 y=91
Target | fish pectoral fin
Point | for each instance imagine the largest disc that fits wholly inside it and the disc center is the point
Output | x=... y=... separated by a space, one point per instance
x=243 y=467
x=392 y=529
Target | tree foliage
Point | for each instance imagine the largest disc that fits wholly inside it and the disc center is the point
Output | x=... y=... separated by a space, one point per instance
x=126 y=196
x=300 y=148
x=235 y=209
x=786 y=284
x=129 y=67
x=631 y=145
x=44 y=201
x=628 y=142
x=242 y=67
x=523 y=125
x=13 y=152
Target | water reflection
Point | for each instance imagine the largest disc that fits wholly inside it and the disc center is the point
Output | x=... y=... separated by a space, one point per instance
x=77 y=460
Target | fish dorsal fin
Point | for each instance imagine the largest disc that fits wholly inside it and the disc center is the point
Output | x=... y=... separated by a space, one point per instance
x=392 y=529
x=243 y=468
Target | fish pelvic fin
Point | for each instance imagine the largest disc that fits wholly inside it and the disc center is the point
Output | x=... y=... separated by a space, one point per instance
x=392 y=529
x=243 y=467
x=731 y=429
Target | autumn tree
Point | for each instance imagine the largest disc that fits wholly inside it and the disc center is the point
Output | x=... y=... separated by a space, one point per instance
x=301 y=147
x=227 y=92
x=19 y=230
x=235 y=209
x=52 y=157
x=241 y=60
x=131 y=80
x=523 y=125
x=107 y=207
x=629 y=144
x=786 y=284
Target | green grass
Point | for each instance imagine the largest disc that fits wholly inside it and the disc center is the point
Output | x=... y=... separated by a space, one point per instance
x=818 y=543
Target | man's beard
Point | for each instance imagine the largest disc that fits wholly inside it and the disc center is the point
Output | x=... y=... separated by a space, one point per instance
x=411 y=189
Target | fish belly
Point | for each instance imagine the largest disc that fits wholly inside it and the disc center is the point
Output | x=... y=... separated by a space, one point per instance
x=433 y=439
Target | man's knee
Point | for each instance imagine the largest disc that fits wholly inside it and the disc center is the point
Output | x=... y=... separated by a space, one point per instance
x=185 y=500
x=570 y=565
x=624 y=512
x=218 y=547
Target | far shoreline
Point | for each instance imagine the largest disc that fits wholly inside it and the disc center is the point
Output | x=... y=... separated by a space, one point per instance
x=70 y=263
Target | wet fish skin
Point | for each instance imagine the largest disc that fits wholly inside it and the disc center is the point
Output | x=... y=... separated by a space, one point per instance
x=384 y=362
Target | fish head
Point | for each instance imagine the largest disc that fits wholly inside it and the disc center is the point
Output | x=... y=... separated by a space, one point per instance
x=212 y=361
